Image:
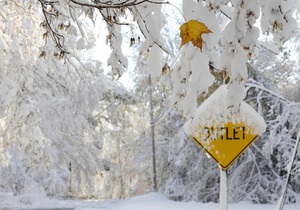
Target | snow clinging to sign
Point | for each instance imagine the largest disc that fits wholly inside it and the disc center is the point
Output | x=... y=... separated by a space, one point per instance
x=215 y=111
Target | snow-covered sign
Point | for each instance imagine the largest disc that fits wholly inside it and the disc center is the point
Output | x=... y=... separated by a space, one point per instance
x=224 y=133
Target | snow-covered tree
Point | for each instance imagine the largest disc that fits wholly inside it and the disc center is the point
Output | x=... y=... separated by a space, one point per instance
x=53 y=113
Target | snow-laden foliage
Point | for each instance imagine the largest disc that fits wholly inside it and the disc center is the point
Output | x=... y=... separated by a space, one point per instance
x=233 y=40
x=52 y=113
x=239 y=40
x=64 y=19
x=189 y=80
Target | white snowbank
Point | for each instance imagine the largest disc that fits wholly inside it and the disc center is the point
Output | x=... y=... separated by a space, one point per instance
x=151 y=201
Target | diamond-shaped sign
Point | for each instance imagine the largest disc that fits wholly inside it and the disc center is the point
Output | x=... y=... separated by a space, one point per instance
x=224 y=134
x=225 y=143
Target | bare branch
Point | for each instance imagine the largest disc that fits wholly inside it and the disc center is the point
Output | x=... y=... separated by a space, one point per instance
x=110 y=5
x=57 y=38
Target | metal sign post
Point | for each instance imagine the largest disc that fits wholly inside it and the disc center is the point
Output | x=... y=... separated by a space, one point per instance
x=223 y=190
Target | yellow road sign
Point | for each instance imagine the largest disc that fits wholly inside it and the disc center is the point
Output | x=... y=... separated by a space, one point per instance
x=221 y=132
x=225 y=142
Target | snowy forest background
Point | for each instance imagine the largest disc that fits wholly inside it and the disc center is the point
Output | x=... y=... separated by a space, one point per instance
x=71 y=127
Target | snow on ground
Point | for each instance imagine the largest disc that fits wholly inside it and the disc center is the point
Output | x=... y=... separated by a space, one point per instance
x=151 y=201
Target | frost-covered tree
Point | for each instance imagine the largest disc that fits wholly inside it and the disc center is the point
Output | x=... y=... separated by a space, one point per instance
x=53 y=112
x=273 y=152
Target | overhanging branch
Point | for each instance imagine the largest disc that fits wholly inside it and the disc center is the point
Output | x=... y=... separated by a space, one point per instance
x=110 y=5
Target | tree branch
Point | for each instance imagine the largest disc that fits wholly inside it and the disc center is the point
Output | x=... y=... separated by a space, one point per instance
x=110 y=5
x=57 y=38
